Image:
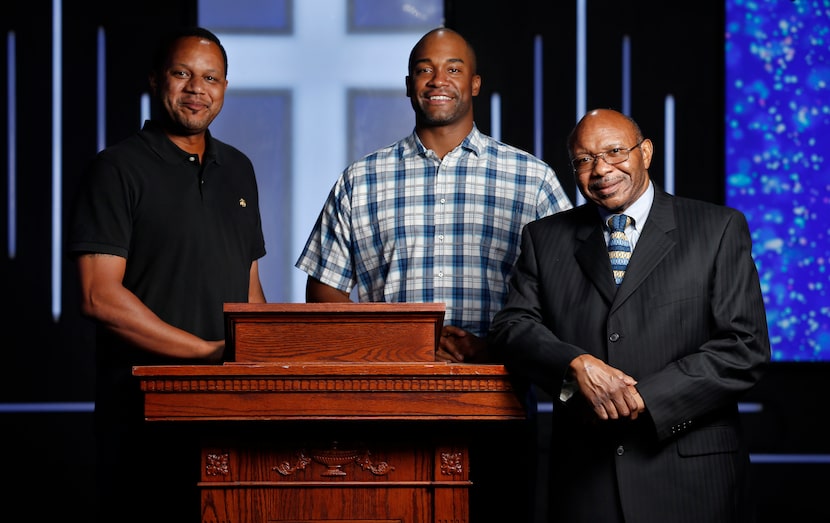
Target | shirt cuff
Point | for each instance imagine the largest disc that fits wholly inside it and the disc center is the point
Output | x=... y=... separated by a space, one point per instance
x=567 y=390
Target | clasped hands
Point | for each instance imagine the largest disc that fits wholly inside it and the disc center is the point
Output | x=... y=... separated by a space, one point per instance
x=459 y=346
x=612 y=393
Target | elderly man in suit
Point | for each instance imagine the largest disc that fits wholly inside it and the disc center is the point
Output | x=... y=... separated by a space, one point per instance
x=647 y=337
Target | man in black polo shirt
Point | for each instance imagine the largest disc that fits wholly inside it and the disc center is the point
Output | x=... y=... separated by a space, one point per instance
x=165 y=229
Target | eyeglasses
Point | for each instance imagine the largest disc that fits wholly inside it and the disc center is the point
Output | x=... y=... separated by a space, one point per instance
x=585 y=162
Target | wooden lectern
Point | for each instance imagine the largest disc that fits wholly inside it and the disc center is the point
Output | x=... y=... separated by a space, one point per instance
x=333 y=413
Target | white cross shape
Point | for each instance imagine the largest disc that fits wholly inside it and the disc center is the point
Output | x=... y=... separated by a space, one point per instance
x=319 y=62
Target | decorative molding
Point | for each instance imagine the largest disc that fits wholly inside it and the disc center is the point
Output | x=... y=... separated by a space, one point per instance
x=451 y=463
x=286 y=468
x=334 y=384
x=217 y=464
x=378 y=469
x=334 y=458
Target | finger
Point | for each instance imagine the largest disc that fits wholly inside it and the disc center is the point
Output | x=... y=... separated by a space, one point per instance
x=601 y=411
x=628 y=380
x=452 y=349
x=628 y=403
x=639 y=403
x=443 y=354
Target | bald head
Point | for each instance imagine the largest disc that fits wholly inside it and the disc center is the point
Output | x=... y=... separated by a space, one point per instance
x=441 y=34
x=605 y=117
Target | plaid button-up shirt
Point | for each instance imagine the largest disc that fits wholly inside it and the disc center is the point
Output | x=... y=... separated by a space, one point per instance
x=403 y=225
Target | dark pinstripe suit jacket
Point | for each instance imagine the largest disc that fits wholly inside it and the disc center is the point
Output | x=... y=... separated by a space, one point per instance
x=688 y=322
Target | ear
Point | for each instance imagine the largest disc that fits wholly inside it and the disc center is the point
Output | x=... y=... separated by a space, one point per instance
x=153 y=83
x=476 y=84
x=408 y=90
x=647 y=149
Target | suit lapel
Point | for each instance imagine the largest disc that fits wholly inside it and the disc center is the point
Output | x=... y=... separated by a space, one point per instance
x=652 y=246
x=592 y=253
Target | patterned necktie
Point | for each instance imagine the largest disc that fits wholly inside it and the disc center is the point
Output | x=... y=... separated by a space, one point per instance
x=619 y=250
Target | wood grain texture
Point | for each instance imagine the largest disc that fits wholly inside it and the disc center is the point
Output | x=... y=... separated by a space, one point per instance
x=365 y=332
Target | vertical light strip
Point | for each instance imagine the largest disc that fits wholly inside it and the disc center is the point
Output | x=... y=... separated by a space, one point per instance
x=538 y=105
x=626 y=75
x=495 y=116
x=669 y=133
x=11 y=127
x=101 y=115
x=581 y=58
x=57 y=156
x=581 y=68
x=145 y=109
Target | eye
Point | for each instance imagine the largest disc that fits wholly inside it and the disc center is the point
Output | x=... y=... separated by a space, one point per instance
x=583 y=159
x=616 y=153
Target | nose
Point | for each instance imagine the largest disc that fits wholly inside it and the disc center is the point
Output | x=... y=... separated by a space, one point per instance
x=438 y=78
x=601 y=168
x=196 y=84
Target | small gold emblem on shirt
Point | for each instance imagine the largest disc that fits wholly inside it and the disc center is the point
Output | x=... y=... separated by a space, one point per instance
x=242 y=202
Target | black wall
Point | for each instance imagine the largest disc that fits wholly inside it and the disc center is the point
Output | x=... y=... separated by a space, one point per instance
x=676 y=49
x=47 y=361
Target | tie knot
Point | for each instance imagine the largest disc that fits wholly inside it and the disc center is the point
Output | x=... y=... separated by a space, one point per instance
x=619 y=222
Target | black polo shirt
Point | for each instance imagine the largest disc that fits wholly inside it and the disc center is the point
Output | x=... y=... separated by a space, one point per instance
x=189 y=231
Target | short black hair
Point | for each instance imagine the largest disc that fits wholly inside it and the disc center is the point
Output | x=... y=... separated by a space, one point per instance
x=163 y=50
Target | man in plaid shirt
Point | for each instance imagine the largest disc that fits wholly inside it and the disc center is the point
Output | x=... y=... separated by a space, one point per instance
x=436 y=216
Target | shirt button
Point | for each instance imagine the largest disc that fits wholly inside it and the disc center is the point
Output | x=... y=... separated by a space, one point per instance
x=614 y=337
x=440 y=274
x=440 y=237
x=192 y=158
x=620 y=450
x=443 y=200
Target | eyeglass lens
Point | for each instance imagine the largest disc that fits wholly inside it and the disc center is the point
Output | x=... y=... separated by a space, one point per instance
x=612 y=157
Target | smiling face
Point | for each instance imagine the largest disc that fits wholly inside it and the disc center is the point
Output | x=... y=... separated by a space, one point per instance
x=191 y=87
x=614 y=187
x=442 y=80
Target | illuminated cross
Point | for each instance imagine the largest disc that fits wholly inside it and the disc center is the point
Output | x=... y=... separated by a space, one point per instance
x=319 y=62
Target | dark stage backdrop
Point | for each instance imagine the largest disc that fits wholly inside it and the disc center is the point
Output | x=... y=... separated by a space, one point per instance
x=662 y=62
x=46 y=389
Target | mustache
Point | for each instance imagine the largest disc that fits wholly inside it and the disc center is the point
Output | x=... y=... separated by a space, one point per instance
x=605 y=181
